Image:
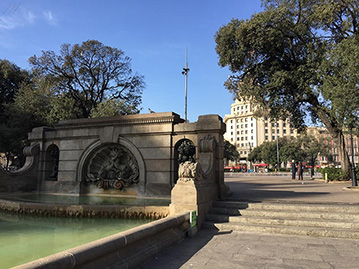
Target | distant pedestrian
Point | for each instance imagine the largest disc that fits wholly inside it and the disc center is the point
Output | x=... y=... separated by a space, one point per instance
x=275 y=169
x=294 y=169
x=300 y=171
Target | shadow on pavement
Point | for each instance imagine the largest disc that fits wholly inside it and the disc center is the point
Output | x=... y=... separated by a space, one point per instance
x=172 y=258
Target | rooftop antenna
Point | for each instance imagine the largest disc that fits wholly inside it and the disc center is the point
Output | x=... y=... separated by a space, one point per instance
x=185 y=73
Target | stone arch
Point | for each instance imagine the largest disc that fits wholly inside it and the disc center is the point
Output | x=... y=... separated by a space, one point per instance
x=176 y=157
x=138 y=188
x=52 y=154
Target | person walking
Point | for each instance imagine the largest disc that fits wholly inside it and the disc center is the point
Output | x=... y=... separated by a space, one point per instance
x=275 y=169
x=300 y=171
x=294 y=170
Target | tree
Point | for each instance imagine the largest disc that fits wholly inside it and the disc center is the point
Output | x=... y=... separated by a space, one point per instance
x=255 y=155
x=90 y=74
x=230 y=151
x=283 y=59
x=11 y=77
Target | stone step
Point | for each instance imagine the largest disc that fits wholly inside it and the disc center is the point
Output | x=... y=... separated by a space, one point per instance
x=225 y=211
x=337 y=224
x=297 y=207
x=300 y=215
x=305 y=231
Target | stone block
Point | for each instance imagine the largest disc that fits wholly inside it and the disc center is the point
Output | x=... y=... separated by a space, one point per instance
x=70 y=155
x=158 y=189
x=158 y=165
x=151 y=141
x=68 y=165
x=67 y=176
x=158 y=177
x=155 y=153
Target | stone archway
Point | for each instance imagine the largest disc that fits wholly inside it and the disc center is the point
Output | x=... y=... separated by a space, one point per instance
x=51 y=163
x=178 y=157
x=112 y=168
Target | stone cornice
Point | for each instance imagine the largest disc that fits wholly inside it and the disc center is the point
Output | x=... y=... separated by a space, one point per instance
x=152 y=118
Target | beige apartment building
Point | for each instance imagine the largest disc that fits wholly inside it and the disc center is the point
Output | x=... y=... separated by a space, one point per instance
x=246 y=132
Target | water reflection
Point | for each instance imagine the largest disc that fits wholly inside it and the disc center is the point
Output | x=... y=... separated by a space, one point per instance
x=26 y=238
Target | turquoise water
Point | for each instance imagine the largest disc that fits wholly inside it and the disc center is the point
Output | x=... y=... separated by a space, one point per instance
x=85 y=200
x=26 y=238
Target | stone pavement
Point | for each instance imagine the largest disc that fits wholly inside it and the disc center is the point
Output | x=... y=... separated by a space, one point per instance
x=213 y=249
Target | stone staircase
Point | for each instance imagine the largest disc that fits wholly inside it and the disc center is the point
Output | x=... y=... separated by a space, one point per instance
x=327 y=220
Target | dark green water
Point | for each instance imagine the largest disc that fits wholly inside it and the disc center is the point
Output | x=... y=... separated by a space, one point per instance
x=84 y=200
x=25 y=238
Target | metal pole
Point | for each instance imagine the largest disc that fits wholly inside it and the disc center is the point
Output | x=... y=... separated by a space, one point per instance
x=185 y=73
x=354 y=177
x=276 y=130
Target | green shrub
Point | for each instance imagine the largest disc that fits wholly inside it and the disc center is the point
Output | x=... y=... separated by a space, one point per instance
x=333 y=173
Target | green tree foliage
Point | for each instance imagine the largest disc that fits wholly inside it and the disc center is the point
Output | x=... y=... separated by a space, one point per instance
x=11 y=77
x=230 y=151
x=12 y=125
x=90 y=74
x=295 y=58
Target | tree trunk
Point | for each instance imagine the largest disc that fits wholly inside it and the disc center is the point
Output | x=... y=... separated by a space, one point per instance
x=337 y=135
x=343 y=156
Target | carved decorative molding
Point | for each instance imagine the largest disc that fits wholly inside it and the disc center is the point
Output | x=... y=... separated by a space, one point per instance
x=189 y=171
x=207 y=144
x=112 y=166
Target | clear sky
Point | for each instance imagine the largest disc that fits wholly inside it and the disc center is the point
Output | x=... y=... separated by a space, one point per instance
x=154 y=33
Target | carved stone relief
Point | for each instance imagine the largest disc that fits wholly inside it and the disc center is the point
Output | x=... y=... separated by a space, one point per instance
x=189 y=171
x=112 y=166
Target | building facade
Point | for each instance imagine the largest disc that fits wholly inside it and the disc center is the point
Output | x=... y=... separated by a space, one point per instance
x=246 y=131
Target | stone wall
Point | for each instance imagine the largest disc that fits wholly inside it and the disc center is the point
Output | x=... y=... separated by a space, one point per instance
x=148 y=142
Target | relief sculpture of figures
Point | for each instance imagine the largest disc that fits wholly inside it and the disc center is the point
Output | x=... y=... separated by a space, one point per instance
x=113 y=167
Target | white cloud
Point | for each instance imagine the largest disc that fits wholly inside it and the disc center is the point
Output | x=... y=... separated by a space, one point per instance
x=49 y=17
x=15 y=15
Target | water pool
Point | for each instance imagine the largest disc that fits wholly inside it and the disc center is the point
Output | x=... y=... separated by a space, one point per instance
x=84 y=200
x=26 y=238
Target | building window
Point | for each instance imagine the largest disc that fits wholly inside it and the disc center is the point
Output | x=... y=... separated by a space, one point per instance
x=246 y=125
x=231 y=126
x=245 y=119
x=246 y=132
x=242 y=120
x=251 y=124
x=284 y=131
x=238 y=132
x=265 y=118
x=266 y=137
x=242 y=145
x=232 y=139
x=246 y=138
x=252 y=131
x=283 y=124
x=272 y=124
x=277 y=131
x=237 y=138
x=231 y=133
x=242 y=138
x=252 y=137
x=273 y=138
x=241 y=125
x=291 y=131
x=266 y=125
x=266 y=131
x=245 y=152
x=252 y=119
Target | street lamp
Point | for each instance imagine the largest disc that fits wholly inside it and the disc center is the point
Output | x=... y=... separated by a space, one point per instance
x=354 y=177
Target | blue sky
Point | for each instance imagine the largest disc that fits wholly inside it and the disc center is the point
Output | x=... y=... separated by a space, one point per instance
x=153 y=33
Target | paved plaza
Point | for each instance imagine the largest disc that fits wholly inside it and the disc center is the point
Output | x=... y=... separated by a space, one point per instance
x=229 y=249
